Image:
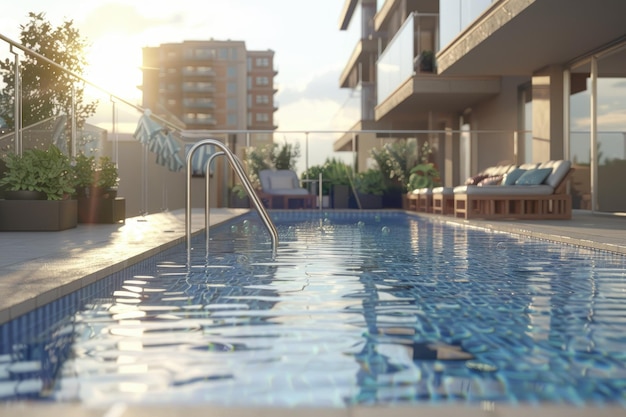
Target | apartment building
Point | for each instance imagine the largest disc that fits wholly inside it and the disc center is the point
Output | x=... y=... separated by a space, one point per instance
x=511 y=80
x=211 y=85
x=210 y=88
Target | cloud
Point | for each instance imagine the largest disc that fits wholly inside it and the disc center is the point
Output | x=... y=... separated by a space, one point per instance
x=124 y=18
x=321 y=87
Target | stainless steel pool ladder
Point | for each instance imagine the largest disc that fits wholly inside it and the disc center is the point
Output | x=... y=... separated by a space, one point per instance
x=245 y=181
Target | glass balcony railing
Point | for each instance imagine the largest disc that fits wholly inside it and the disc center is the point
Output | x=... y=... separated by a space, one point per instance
x=411 y=51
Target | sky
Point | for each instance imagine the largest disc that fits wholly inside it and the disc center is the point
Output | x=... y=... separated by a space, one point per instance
x=310 y=50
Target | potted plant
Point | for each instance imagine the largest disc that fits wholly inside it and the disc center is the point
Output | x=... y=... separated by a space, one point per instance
x=395 y=160
x=427 y=61
x=423 y=175
x=84 y=169
x=38 y=185
x=239 y=197
x=336 y=174
x=96 y=183
x=370 y=186
x=106 y=178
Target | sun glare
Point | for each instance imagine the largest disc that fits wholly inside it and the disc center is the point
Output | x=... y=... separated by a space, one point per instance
x=113 y=65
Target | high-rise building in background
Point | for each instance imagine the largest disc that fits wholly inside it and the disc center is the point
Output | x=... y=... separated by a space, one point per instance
x=211 y=89
x=211 y=85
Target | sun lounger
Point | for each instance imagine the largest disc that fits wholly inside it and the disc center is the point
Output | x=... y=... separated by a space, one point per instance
x=281 y=189
x=538 y=193
x=421 y=200
x=443 y=197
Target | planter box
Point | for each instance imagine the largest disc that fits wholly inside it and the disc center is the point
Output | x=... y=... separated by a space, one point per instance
x=370 y=201
x=239 y=202
x=394 y=198
x=340 y=196
x=101 y=210
x=38 y=215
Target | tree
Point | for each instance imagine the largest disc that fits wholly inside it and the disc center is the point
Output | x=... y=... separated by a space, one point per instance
x=46 y=89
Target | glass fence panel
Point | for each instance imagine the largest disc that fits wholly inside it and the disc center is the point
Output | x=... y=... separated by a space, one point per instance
x=611 y=171
x=580 y=185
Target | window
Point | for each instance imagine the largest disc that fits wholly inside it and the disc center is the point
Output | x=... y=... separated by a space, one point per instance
x=262 y=62
x=262 y=99
x=262 y=117
x=232 y=119
x=262 y=81
x=231 y=72
x=231 y=104
x=204 y=53
x=231 y=88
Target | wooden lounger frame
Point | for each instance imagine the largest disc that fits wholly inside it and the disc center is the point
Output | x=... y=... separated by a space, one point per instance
x=270 y=200
x=443 y=203
x=412 y=200
x=425 y=203
x=557 y=205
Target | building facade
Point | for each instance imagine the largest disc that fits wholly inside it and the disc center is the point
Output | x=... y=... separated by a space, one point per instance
x=214 y=89
x=494 y=81
x=211 y=85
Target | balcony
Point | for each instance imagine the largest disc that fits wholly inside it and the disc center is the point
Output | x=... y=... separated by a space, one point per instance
x=405 y=84
x=192 y=71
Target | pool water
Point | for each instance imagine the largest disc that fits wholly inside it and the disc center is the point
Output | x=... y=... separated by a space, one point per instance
x=353 y=308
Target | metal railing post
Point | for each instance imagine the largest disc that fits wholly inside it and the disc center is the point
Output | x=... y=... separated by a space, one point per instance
x=207 y=198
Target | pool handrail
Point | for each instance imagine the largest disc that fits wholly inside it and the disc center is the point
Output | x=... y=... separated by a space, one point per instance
x=207 y=200
x=245 y=181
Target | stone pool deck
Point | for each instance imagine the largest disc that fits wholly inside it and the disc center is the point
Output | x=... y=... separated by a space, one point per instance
x=39 y=267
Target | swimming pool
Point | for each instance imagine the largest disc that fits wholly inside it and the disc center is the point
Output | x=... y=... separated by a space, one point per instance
x=355 y=308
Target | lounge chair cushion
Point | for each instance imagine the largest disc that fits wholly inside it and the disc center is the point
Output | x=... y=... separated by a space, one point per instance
x=502 y=190
x=443 y=190
x=560 y=168
x=534 y=176
x=281 y=181
x=287 y=191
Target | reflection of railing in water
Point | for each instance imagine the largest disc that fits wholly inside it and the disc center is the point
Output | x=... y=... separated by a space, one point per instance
x=237 y=167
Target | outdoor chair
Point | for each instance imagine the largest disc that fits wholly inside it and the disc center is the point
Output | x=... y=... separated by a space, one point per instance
x=281 y=189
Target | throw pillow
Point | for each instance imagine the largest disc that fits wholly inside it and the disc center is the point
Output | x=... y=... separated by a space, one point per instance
x=510 y=178
x=475 y=179
x=534 y=176
x=493 y=180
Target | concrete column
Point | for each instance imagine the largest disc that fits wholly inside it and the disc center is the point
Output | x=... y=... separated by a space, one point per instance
x=548 y=117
